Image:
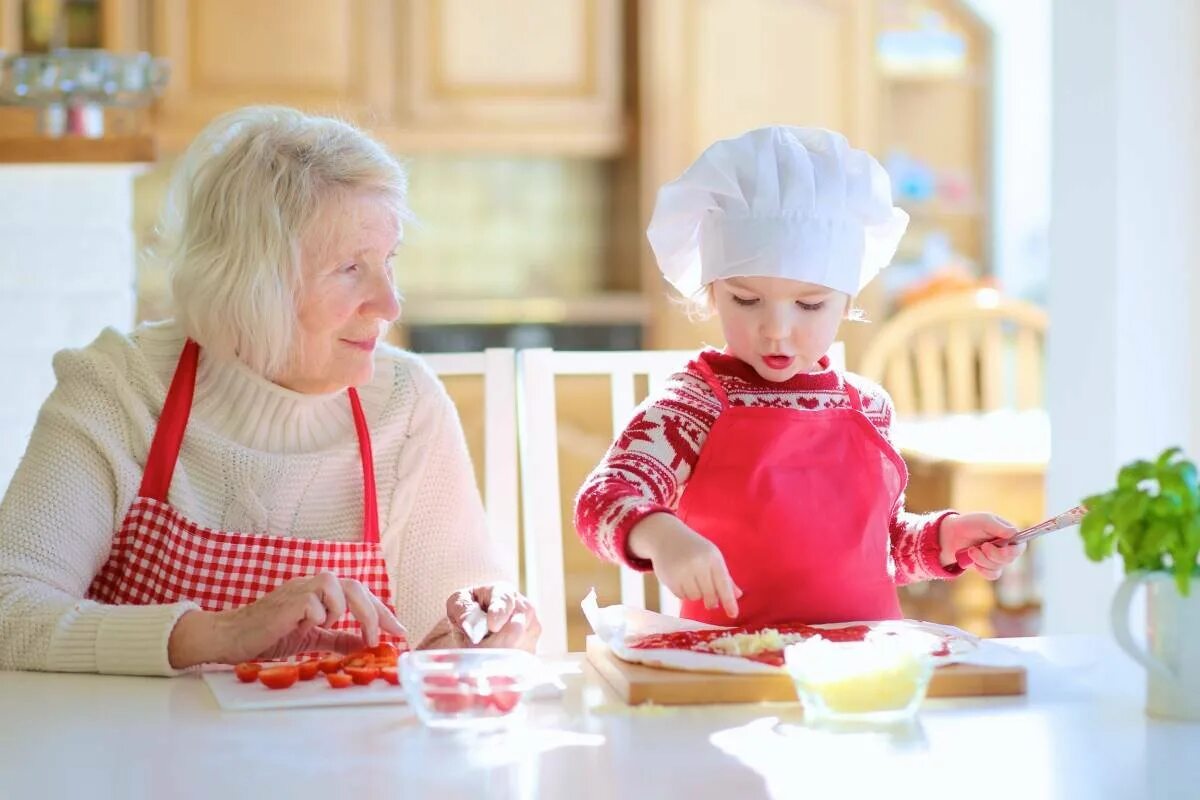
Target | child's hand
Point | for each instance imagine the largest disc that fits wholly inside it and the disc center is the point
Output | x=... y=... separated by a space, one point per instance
x=975 y=531
x=689 y=565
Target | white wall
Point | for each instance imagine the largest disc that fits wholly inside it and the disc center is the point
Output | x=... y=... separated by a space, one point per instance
x=1122 y=350
x=66 y=271
x=1021 y=136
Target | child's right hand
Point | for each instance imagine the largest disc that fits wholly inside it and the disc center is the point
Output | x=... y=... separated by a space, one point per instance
x=685 y=562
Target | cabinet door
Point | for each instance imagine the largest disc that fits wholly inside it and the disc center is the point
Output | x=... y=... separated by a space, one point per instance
x=545 y=70
x=331 y=56
x=13 y=121
x=715 y=68
x=10 y=26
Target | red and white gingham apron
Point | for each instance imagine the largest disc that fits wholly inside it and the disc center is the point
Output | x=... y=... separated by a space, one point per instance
x=159 y=556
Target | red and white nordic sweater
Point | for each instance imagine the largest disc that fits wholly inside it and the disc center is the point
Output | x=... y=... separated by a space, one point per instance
x=648 y=466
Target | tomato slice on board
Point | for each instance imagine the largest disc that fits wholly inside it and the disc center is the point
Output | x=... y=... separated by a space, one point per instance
x=247 y=671
x=309 y=669
x=362 y=658
x=385 y=654
x=362 y=675
x=338 y=680
x=280 y=677
x=330 y=663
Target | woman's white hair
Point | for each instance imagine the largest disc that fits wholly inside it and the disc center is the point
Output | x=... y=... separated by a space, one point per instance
x=237 y=209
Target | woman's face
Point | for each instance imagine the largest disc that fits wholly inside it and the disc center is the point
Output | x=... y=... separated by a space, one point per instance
x=347 y=297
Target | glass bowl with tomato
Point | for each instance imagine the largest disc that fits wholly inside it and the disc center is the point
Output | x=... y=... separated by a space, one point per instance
x=469 y=689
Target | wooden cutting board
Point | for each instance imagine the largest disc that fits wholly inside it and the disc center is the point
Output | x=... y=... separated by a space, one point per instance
x=637 y=683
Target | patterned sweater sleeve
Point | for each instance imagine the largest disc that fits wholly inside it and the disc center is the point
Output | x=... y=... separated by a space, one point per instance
x=646 y=468
x=915 y=541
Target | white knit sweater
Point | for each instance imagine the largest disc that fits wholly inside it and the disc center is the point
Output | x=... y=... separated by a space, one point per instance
x=256 y=458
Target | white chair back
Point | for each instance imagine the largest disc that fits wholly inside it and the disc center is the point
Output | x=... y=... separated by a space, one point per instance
x=497 y=367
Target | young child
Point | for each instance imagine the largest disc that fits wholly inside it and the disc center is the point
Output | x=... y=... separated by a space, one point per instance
x=759 y=484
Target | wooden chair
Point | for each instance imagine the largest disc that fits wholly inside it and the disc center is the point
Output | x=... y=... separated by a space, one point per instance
x=962 y=353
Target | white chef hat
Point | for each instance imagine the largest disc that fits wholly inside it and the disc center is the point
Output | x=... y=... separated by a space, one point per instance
x=781 y=202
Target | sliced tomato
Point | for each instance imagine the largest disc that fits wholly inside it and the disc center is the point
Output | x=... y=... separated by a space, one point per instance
x=280 y=677
x=391 y=675
x=309 y=669
x=442 y=681
x=362 y=675
x=338 y=680
x=450 y=703
x=247 y=671
x=385 y=655
x=505 y=702
x=503 y=697
x=360 y=659
x=330 y=663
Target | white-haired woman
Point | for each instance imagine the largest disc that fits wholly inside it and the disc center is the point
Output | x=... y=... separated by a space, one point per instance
x=258 y=476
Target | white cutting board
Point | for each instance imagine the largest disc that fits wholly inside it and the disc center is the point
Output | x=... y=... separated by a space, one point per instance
x=233 y=695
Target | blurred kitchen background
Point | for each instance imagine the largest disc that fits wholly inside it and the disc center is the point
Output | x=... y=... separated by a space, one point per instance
x=536 y=133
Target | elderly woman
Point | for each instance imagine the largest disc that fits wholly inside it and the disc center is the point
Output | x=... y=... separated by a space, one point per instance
x=260 y=475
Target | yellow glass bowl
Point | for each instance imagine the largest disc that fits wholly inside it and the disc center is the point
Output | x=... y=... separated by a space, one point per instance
x=878 y=680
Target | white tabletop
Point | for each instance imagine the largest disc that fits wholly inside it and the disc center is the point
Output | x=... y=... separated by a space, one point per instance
x=1019 y=438
x=1080 y=733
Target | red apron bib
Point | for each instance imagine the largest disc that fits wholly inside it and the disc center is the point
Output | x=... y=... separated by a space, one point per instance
x=799 y=503
x=159 y=556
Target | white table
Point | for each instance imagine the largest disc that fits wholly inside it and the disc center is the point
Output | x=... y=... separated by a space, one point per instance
x=1080 y=733
x=1018 y=438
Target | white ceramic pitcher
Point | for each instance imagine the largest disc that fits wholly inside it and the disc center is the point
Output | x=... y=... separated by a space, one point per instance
x=1173 y=639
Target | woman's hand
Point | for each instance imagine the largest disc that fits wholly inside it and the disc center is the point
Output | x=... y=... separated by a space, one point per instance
x=688 y=564
x=976 y=532
x=497 y=614
x=291 y=619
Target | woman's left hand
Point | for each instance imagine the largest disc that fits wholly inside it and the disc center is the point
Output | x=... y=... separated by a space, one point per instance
x=976 y=532
x=511 y=620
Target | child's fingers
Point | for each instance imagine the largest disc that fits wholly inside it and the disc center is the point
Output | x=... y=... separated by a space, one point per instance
x=1003 y=554
x=998 y=527
x=726 y=591
x=690 y=589
x=983 y=559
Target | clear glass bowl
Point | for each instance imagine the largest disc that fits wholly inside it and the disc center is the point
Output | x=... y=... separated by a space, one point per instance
x=476 y=689
x=880 y=680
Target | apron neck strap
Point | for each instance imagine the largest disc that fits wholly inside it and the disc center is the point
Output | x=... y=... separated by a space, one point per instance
x=852 y=393
x=370 y=511
x=168 y=435
x=713 y=381
x=168 y=439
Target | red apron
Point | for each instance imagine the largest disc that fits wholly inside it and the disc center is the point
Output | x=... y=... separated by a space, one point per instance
x=799 y=502
x=159 y=556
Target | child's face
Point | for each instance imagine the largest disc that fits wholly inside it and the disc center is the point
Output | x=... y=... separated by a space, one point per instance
x=779 y=326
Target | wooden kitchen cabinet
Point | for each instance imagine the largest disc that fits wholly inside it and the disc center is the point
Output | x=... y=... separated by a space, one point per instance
x=10 y=25
x=331 y=56
x=525 y=76
x=535 y=71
